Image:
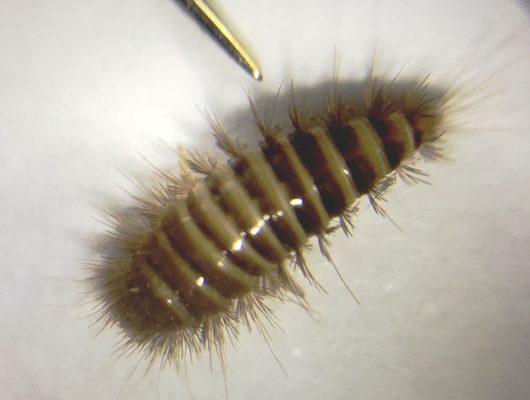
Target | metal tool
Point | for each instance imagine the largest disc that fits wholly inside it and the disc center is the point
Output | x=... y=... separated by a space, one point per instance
x=204 y=14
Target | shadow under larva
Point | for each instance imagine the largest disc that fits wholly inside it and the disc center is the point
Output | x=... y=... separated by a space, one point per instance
x=209 y=244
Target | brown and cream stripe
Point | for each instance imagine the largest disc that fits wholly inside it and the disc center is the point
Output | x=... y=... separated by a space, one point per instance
x=237 y=226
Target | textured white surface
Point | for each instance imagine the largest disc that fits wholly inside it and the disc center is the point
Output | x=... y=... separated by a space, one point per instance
x=87 y=86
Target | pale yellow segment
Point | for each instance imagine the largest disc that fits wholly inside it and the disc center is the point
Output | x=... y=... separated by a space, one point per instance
x=222 y=228
x=336 y=164
x=224 y=231
x=194 y=281
x=204 y=253
x=246 y=213
x=310 y=191
x=371 y=146
x=267 y=183
x=403 y=131
x=165 y=294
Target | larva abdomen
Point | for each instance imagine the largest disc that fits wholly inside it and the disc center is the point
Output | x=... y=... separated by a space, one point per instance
x=209 y=250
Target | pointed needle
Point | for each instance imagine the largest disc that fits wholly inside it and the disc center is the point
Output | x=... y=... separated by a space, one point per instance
x=215 y=26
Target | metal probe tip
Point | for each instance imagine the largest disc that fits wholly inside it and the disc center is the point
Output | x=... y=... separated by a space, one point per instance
x=219 y=31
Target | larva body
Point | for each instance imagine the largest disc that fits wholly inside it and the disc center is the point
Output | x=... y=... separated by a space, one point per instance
x=208 y=250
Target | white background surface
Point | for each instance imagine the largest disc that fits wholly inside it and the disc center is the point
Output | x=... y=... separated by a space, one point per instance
x=85 y=87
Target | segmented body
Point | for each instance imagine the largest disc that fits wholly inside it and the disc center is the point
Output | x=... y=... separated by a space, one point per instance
x=213 y=248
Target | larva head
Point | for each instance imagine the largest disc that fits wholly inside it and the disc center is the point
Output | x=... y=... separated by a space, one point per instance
x=164 y=305
x=121 y=287
x=125 y=287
